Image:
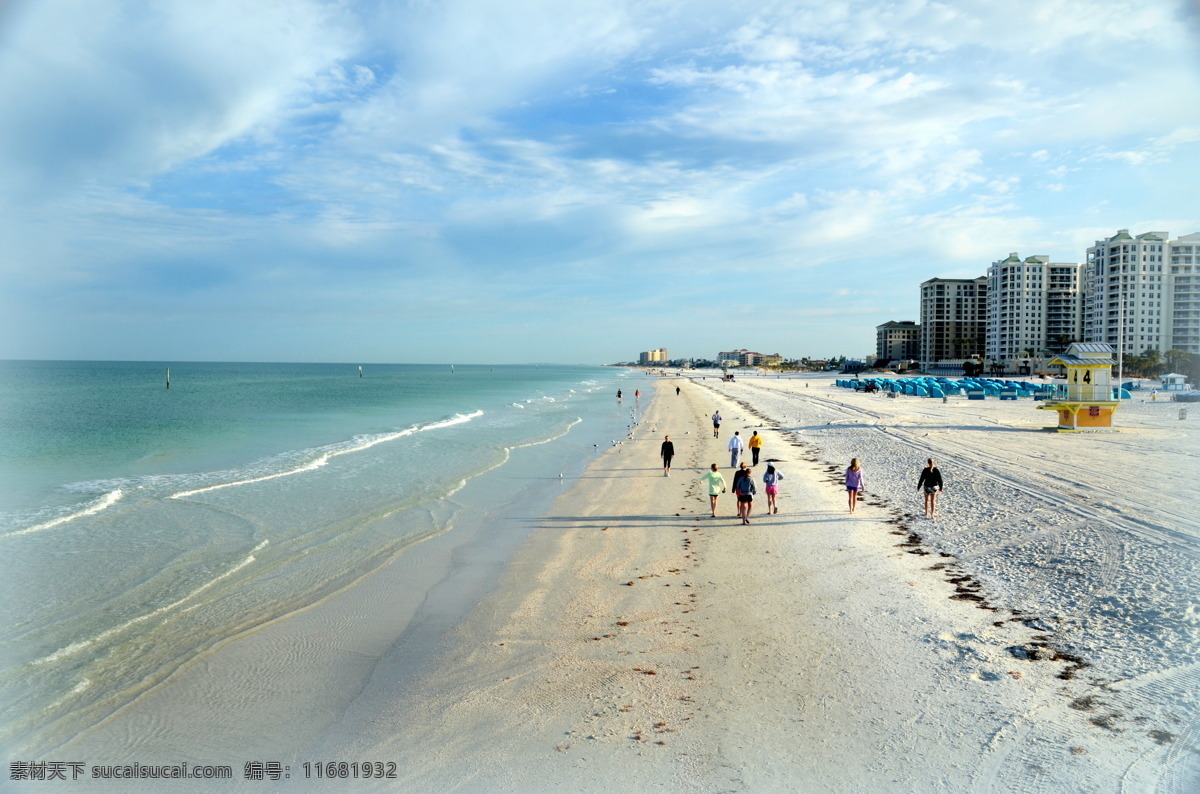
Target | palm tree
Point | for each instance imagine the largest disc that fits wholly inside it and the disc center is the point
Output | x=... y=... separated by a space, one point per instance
x=1062 y=342
x=1178 y=360
x=1151 y=363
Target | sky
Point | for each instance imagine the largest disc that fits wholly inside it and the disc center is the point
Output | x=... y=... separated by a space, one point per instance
x=557 y=181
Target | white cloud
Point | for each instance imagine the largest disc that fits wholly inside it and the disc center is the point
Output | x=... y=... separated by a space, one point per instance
x=561 y=147
x=129 y=90
x=460 y=61
x=1157 y=149
x=975 y=234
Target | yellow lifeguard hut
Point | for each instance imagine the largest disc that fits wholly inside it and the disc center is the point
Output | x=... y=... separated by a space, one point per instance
x=1089 y=404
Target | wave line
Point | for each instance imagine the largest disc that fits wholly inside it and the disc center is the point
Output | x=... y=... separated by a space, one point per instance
x=75 y=647
x=325 y=457
x=539 y=442
x=103 y=503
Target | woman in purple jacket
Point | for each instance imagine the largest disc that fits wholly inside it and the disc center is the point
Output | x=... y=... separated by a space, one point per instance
x=854 y=483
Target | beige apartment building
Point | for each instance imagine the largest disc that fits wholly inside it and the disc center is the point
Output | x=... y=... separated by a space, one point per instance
x=953 y=320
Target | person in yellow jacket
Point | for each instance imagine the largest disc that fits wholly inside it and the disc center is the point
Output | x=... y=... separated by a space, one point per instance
x=755 y=444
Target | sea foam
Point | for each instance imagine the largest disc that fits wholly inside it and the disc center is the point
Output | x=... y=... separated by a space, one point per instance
x=103 y=503
x=358 y=445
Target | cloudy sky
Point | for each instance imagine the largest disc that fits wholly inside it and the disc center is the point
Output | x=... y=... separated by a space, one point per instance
x=562 y=181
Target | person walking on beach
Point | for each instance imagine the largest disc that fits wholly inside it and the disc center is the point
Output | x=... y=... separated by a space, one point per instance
x=618 y=395
x=854 y=483
x=737 y=476
x=771 y=484
x=717 y=425
x=745 y=491
x=716 y=487
x=676 y=391
x=755 y=444
x=666 y=453
x=736 y=448
x=931 y=481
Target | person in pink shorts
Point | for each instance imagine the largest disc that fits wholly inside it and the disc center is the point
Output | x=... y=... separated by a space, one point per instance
x=771 y=484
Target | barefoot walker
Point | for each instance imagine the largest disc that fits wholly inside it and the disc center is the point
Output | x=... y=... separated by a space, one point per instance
x=931 y=482
x=771 y=485
x=745 y=491
x=716 y=487
x=854 y=483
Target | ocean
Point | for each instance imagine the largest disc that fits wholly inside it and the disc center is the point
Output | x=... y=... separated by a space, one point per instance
x=142 y=525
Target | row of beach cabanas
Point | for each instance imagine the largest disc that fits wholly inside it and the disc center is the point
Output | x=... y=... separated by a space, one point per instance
x=973 y=388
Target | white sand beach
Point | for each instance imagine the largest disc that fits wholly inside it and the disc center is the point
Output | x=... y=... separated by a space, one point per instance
x=1040 y=634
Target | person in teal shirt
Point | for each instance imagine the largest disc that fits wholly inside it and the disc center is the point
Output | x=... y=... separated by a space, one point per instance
x=716 y=487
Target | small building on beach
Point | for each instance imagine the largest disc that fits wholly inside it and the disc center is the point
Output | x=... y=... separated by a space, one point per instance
x=1174 y=382
x=1089 y=403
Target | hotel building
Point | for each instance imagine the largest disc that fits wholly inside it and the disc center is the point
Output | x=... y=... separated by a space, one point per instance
x=1033 y=306
x=898 y=341
x=748 y=358
x=1128 y=296
x=1184 y=289
x=953 y=320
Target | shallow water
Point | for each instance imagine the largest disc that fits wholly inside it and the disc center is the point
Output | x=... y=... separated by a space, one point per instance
x=141 y=525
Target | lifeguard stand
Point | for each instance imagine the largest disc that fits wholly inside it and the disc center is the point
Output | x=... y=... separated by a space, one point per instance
x=1089 y=404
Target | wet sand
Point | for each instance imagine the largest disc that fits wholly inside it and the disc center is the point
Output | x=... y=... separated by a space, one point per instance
x=1042 y=634
x=637 y=643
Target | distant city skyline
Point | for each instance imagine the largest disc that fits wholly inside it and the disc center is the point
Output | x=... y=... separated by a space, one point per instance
x=559 y=181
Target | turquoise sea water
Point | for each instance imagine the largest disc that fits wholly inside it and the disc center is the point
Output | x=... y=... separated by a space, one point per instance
x=141 y=525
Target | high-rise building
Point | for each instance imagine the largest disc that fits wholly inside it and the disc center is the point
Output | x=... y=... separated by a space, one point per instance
x=654 y=357
x=1064 y=305
x=898 y=341
x=953 y=319
x=1128 y=297
x=1033 y=306
x=1184 y=280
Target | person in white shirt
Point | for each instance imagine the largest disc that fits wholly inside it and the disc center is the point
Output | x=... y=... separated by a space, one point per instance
x=736 y=448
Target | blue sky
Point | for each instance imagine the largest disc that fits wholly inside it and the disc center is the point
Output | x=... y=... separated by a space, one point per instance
x=547 y=180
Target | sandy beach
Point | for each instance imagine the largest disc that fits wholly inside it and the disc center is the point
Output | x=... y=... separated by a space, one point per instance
x=1039 y=635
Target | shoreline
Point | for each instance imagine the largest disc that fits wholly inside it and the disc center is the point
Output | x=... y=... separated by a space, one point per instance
x=273 y=690
x=636 y=641
x=631 y=641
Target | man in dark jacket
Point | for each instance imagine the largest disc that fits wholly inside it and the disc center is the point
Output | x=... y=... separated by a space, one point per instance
x=667 y=452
